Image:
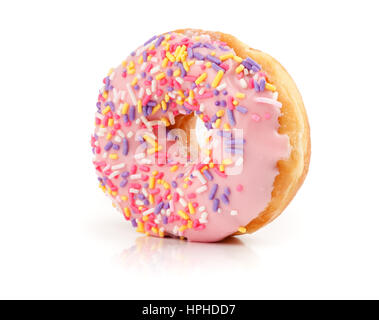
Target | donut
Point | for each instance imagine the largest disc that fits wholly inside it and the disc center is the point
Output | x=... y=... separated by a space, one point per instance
x=199 y=137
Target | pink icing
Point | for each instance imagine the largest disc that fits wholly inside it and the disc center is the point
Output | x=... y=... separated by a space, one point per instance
x=250 y=190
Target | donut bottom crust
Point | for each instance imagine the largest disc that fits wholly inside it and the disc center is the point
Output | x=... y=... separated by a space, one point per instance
x=293 y=122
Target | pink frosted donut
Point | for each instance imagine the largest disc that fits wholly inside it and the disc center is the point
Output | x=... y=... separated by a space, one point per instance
x=193 y=139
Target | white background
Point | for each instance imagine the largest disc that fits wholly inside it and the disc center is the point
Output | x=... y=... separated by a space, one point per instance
x=60 y=236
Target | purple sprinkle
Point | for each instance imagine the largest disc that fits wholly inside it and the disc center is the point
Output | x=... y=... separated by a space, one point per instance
x=143 y=74
x=214 y=118
x=217 y=68
x=247 y=65
x=216 y=203
x=133 y=54
x=145 y=185
x=125 y=147
x=166 y=205
x=108 y=146
x=159 y=207
x=216 y=92
x=125 y=174
x=136 y=87
x=224 y=92
x=231 y=117
x=224 y=198
x=224 y=48
x=174 y=184
x=132 y=113
x=198 y=56
x=262 y=84
x=148 y=41
x=134 y=223
x=140 y=196
x=241 y=109
x=149 y=78
x=213 y=191
x=159 y=41
x=165 y=219
x=234 y=151
x=116 y=147
x=209 y=46
x=217 y=103
x=233 y=142
x=169 y=89
x=207 y=174
x=152 y=103
x=213 y=59
x=146 y=202
x=183 y=71
x=196 y=45
x=144 y=56
x=227 y=191
x=144 y=111
x=256 y=86
x=123 y=183
x=254 y=64
x=190 y=53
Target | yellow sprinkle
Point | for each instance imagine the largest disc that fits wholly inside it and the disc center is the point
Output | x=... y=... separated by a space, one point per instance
x=222 y=168
x=177 y=51
x=189 y=224
x=154 y=229
x=211 y=165
x=106 y=110
x=151 y=151
x=123 y=63
x=213 y=53
x=180 y=92
x=127 y=212
x=235 y=102
x=191 y=208
x=170 y=56
x=139 y=106
x=152 y=47
x=242 y=229
x=145 y=218
x=240 y=68
x=161 y=234
x=110 y=122
x=148 y=58
x=185 y=185
x=226 y=126
x=191 y=62
x=140 y=60
x=164 y=105
x=164 y=62
x=166 y=98
x=169 y=197
x=174 y=168
x=151 y=198
x=114 y=193
x=131 y=71
x=208 y=64
x=124 y=198
x=182 y=228
x=238 y=59
x=179 y=102
x=131 y=64
x=240 y=95
x=186 y=66
x=165 y=121
x=201 y=78
x=183 y=214
x=191 y=94
x=270 y=87
x=109 y=136
x=217 y=123
x=110 y=71
x=105 y=95
x=152 y=183
x=176 y=73
x=160 y=76
x=166 y=185
x=154 y=173
x=125 y=108
x=168 y=36
x=113 y=156
x=217 y=78
x=156 y=109
x=226 y=56
x=220 y=113
x=134 y=82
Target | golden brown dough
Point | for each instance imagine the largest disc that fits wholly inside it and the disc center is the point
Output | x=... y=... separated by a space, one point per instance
x=293 y=122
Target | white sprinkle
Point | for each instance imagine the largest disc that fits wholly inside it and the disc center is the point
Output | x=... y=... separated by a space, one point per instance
x=123 y=93
x=121 y=134
x=129 y=134
x=275 y=95
x=146 y=161
x=201 y=189
x=154 y=85
x=143 y=66
x=118 y=166
x=202 y=107
x=154 y=59
x=171 y=118
x=219 y=210
x=175 y=230
x=139 y=202
x=180 y=80
x=155 y=69
x=135 y=176
x=105 y=154
x=201 y=220
x=144 y=192
x=107 y=167
x=201 y=91
x=204 y=215
x=183 y=202
x=131 y=93
x=269 y=101
x=132 y=190
x=201 y=209
x=197 y=174
x=199 y=62
x=99 y=116
x=116 y=95
x=171 y=95
x=147 y=212
x=111 y=77
x=113 y=174
x=139 y=156
x=140 y=93
x=207 y=160
x=138 y=121
x=172 y=205
x=146 y=123
x=148 y=91
x=243 y=83
x=222 y=86
x=117 y=139
x=233 y=212
x=245 y=71
x=180 y=192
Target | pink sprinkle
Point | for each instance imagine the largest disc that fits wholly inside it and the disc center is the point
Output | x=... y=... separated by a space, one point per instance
x=146 y=99
x=159 y=92
x=133 y=169
x=155 y=191
x=167 y=192
x=202 y=67
x=149 y=67
x=267 y=115
x=163 y=54
x=239 y=187
x=135 y=186
x=205 y=95
x=177 y=85
x=256 y=117
x=159 y=199
x=176 y=197
x=144 y=168
x=200 y=227
x=191 y=107
x=240 y=75
x=251 y=83
x=230 y=103
x=189 y=78
x=225 y=66
x=191 y=195
x=144 y=177
x=160 y=175
x=163 y=82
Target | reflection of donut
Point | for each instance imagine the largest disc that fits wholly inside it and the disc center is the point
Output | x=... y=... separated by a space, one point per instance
x=239 y=167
